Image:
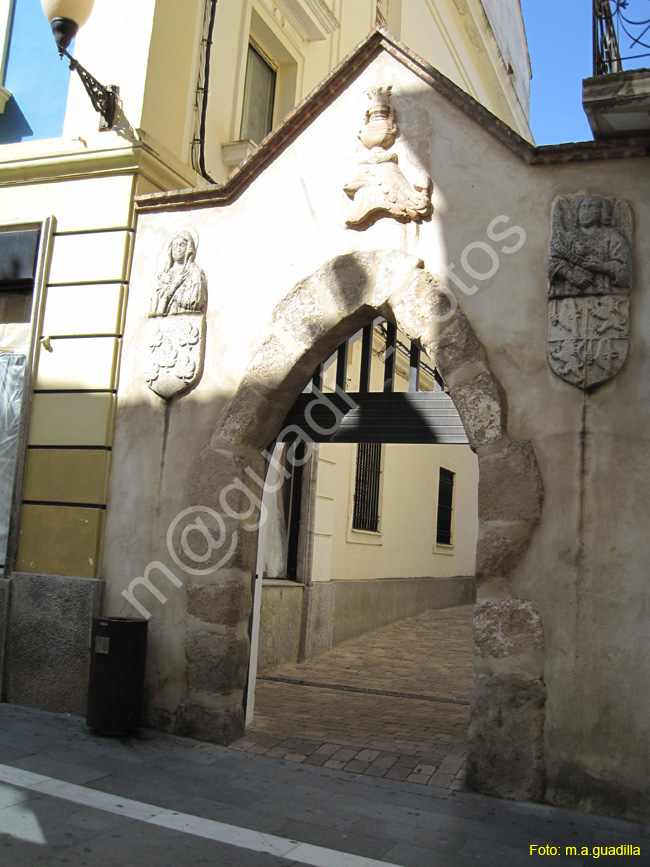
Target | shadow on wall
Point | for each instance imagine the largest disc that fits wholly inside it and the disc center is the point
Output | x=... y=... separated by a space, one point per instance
x=13 y=124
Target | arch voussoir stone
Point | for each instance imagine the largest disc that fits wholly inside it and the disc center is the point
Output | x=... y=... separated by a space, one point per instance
x=302 y=317
x=452 y=346
x=501 y=547
x=510 y=486
x=481 y=406
x=365 y=280
x=306 y=326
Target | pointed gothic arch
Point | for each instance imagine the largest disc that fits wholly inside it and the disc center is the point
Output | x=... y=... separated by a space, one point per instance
x=507 y=715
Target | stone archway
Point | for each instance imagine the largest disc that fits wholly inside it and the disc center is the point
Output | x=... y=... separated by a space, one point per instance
x=507 y=714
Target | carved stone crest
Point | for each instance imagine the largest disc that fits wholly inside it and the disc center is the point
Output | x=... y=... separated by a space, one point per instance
x=379 y=187
x=589 y=272
x=175 y=330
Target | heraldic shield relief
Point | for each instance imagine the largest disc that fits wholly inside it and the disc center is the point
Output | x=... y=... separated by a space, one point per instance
x=175 y=333
x=589 y=272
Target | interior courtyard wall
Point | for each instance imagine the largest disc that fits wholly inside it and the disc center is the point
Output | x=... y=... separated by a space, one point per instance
x=405 y=546
x=587 y=585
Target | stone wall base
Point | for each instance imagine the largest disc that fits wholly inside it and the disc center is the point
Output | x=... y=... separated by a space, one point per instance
x=506 y=737
x=47 y=648
x=571 y=787
x=299 y=622
x=280 y=623
x=214 y=725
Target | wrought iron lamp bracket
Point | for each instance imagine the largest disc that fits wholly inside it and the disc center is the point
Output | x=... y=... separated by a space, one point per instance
x=104 y=99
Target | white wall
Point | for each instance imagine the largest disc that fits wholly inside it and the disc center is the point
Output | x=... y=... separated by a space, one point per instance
x=405 y=545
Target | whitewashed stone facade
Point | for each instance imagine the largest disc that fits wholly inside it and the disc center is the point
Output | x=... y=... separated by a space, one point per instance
x=561 y=704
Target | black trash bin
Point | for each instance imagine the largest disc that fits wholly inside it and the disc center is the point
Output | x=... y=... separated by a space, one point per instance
x=118 y=652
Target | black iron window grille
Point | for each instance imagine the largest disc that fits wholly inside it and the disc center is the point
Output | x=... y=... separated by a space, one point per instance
x=366 y=488
x=445 y=505
x=611 y=27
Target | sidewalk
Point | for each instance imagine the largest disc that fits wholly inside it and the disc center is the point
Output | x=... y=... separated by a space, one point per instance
x=392 y=703
x=68 y=797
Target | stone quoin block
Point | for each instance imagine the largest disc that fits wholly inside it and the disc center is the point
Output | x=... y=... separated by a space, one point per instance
x=227 y=604
x=510 y=486
x=220 y=475
x=507 y=628
x=500 y=548
x=506 y=737
x=481 y=408
x=216 y=663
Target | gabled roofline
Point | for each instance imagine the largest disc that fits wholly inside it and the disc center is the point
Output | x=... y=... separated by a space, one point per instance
x=379 y=40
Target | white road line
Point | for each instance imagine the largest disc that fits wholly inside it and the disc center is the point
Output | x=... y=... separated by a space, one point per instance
x=220 y=832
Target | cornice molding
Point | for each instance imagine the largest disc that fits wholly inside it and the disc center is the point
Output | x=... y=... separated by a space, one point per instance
x=313 y=19
x=76 y=159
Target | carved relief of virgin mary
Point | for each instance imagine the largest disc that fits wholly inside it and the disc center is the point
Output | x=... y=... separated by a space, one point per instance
x=175 y=332
x=182 y=285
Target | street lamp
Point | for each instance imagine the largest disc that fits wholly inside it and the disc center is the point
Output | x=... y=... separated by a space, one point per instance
x=66 y=17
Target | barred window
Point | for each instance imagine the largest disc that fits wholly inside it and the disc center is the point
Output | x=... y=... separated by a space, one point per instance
x=366 y=487
x=445 y=504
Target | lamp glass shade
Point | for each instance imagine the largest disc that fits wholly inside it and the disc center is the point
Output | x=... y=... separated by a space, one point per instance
x=75 y=10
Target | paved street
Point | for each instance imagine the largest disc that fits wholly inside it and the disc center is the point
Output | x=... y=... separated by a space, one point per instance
x=68 y=797
x=402 y=713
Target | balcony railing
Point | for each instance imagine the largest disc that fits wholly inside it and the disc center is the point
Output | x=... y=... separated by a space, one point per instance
x=611 y=27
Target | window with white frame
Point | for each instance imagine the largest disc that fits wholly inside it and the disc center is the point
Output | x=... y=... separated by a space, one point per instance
x=259 y=95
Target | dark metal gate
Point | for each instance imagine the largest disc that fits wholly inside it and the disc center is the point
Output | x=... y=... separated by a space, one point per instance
x=340 y=415
x=329 y=412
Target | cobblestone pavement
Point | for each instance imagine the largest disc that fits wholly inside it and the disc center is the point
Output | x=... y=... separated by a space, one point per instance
x=418 y=735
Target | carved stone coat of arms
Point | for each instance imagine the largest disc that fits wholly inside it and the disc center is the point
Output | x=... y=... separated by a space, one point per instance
x=379 y=187
x=589 y=272
x=175 y=330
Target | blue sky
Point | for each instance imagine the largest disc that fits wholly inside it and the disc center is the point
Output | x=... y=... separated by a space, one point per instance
x=559 y=41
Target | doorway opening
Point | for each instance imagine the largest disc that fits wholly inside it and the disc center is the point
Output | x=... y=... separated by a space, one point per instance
x=361 y=640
